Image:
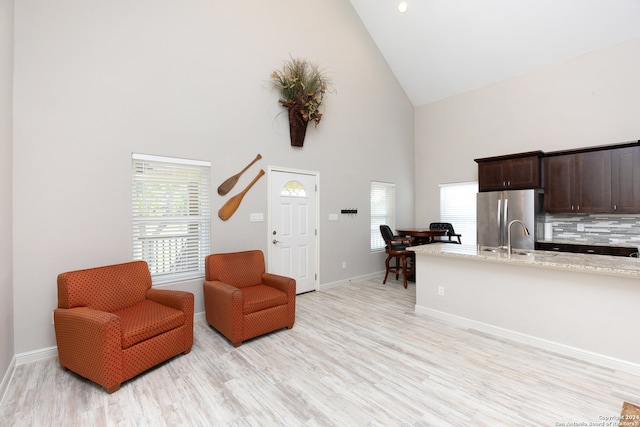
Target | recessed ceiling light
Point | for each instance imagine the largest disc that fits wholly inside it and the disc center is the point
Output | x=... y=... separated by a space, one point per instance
x=403 y=6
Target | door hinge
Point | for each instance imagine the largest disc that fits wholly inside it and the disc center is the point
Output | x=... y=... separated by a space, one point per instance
x=316 y=276
x=316 y=232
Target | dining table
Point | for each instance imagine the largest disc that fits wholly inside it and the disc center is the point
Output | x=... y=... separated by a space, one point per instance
x=421 y=236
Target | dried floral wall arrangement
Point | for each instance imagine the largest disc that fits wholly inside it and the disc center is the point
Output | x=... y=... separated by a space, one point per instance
x=301 y=86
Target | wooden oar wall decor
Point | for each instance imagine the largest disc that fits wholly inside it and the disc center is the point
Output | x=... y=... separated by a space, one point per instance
x=228 y=184
x=232 y=204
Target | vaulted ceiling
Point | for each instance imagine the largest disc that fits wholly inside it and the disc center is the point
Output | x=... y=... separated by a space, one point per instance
x=439 y=48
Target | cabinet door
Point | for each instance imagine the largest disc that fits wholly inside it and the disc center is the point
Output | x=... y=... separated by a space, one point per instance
x=509 y=174
x=558 y=183
x=491 y=176
x=523 y=173
x=625 y=180
x=592 y=189
x=586 y=249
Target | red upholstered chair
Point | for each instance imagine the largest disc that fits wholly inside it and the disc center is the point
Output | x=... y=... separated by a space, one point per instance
x=111 y=325
x=242 y=301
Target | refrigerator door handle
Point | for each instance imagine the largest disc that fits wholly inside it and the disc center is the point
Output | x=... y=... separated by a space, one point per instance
x=499 y=220
x=506 y=209
x=505 y=221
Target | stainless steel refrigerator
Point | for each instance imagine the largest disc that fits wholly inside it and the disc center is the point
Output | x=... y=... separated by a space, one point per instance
x=496 y=209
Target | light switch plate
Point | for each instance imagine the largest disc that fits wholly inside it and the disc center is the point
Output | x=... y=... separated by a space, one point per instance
x=333 y=217
x=256 y=217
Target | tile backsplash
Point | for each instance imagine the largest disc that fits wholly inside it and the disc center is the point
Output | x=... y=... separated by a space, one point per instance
x=608 y=229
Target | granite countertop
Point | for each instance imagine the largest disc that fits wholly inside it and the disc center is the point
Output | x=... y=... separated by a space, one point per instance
x=587 y=263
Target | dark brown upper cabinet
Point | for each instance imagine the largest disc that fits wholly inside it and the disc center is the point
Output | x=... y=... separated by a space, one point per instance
x=596 y=180
x=511 y=172
x=625 y=180
x=578 y=183
x=558 y=183
x=593 y=182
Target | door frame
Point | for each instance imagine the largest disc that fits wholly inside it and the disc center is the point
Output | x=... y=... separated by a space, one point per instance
x=316 y=175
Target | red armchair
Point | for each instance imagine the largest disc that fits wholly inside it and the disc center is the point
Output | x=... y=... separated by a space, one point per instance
x=111 y=325
x=242 y=301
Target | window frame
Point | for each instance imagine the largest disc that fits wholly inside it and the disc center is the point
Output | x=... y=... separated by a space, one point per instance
x=381 y=214
x=171 y=215
x=461 y=213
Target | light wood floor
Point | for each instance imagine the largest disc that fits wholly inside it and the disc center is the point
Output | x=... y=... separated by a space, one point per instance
x=358 y=355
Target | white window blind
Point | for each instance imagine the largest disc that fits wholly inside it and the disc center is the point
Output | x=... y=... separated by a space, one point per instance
x=171 y=215
x=458 y=206
x=383 y=211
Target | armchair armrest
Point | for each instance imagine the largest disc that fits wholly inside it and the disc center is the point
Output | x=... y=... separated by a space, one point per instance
x=400 y=242
x=282 y=283
x=180 y=300
x=286 y=285
x=223 y=308
x=403 y=239
x=221 y=291
x=90 y=344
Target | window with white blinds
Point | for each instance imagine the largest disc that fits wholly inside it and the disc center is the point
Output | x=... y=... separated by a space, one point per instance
x=383 y=211
x=171 y=215
x=458 y=206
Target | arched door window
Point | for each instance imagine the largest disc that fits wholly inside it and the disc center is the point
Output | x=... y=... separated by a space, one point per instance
x=293 y=189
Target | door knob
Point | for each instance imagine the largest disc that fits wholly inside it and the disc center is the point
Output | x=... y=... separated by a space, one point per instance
x=275 y=241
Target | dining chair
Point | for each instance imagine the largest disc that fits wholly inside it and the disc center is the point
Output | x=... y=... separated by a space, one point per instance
x=450 y=233
x=396 y=249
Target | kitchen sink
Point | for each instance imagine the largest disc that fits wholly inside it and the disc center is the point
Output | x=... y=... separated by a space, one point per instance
x=504 y=251
x=520 y=252
x=495 y=250
x=524 y=253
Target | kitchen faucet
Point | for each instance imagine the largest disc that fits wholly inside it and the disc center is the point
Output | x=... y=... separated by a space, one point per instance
x=526 y=233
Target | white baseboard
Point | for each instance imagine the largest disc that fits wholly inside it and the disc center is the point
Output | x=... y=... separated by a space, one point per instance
x=35 y=355
x=4 y=385
x=326 y=286
x=565 y=350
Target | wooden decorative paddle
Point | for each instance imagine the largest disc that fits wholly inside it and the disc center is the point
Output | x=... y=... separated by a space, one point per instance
x=232 y=204
x=226 y=186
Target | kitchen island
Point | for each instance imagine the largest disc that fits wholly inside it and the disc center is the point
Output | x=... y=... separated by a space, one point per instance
x=583 y=306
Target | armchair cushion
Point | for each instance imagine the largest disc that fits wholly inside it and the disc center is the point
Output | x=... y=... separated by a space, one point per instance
x=240 y=269
x=109 y=288
x=260 y=297
x=145 y=320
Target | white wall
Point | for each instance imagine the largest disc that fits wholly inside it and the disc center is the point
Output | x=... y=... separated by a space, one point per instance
x=6 y=239
x=96 y=81
x=591 y=100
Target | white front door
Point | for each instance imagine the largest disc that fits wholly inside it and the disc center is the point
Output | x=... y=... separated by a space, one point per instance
x=292 y=220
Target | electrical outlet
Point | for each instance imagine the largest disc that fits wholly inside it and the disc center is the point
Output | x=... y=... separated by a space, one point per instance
x=580 y=227
x=441 y=291
x=344 y=264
